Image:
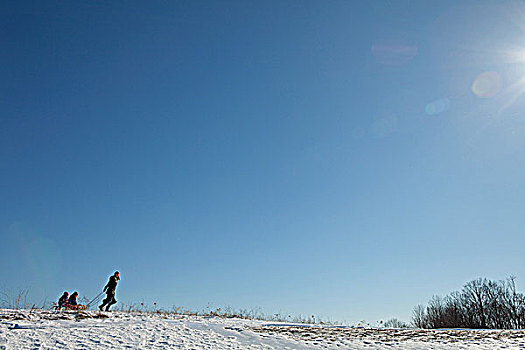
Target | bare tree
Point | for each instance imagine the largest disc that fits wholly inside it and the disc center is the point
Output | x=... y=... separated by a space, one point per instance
x=395 y=323
x=419 y=316
x=480 y=304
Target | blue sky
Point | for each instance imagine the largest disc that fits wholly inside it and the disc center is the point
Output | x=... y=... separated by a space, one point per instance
x=342 y=159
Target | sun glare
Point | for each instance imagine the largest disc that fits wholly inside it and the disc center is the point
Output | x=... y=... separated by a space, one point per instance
x=487 y=85
x=515 y=56
x=521 y=56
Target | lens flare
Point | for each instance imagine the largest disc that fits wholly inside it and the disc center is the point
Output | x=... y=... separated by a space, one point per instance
x=487 y=85
x=438 y=106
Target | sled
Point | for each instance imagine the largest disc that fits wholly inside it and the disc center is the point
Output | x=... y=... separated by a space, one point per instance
x=68 y=307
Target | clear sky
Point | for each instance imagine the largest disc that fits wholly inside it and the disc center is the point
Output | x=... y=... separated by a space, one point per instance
x=338 y=158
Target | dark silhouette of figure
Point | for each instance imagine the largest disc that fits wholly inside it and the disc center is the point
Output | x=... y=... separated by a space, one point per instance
x=73 y=299
x=110 y=288
x=63 y=300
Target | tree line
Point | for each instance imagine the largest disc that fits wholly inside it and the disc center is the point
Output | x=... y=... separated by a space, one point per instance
x=482 y=304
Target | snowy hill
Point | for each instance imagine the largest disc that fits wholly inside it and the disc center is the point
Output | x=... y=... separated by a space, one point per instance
x=39 y=329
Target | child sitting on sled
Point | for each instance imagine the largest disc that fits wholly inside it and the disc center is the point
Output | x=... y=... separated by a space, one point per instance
x=63 y=300
x=69 y=303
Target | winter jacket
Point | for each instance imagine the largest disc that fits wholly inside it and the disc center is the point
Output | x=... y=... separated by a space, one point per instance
x=111 y=286
x=72 y=300
x=62 y=301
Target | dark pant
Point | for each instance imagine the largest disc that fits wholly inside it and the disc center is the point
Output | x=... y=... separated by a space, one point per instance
x=110 y=300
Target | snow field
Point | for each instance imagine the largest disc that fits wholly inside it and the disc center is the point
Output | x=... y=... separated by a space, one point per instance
x=40 y=329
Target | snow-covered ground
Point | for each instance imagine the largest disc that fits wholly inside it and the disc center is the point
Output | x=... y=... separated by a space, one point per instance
x=40 y=329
